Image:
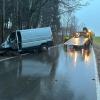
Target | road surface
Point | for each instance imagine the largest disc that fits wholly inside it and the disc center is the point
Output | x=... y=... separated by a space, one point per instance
x=54 y=75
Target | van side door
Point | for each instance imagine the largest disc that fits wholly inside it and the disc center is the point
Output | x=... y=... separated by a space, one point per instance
x=19 y=40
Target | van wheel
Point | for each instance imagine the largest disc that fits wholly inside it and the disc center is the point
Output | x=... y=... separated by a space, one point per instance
x=44 y=47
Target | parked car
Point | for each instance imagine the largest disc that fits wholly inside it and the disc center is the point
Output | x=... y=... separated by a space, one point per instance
x=29 y=39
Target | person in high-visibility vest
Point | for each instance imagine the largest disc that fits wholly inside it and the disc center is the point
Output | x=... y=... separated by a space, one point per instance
x=89 y=34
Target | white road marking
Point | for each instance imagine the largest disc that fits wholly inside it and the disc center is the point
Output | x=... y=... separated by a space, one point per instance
x=13 y=57
x=25 y=54
x=56 y=46
x=7 y=58
x=96 y=78
x=53 y=46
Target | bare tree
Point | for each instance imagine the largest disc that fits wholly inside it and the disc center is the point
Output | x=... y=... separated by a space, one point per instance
x=50 y=17
x=67 y=8
x=34 y=10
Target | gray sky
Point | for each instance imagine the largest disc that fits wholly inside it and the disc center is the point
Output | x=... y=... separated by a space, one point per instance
x=90 y=16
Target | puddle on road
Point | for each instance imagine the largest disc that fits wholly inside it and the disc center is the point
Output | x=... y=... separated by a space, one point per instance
x=52 y=75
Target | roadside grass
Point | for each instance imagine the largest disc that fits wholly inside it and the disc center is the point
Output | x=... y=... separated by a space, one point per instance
x=97 y=40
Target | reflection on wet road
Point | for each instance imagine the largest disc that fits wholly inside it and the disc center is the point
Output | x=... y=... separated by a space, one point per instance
x=53 y=75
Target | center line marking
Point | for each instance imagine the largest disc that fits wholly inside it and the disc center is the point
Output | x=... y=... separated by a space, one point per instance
x=12 y=57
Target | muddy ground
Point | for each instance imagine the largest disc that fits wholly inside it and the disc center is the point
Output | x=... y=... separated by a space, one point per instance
x=97 y=52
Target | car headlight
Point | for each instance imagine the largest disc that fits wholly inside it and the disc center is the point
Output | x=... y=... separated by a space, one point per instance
x=77 y=34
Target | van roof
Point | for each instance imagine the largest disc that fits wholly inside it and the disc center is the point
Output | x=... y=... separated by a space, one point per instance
x=36 y=30
x=32 y=33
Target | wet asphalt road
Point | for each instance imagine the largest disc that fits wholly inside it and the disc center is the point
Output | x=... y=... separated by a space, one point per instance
x=52 y=75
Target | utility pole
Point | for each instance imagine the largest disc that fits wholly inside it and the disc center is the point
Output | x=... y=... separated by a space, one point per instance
x=3 y=20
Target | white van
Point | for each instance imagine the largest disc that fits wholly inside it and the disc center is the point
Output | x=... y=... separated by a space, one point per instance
x=29 y=38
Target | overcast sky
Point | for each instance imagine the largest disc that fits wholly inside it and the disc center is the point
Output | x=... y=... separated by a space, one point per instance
x=90 y=16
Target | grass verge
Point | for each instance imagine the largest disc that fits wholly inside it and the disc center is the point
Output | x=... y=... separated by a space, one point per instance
x=97 y=40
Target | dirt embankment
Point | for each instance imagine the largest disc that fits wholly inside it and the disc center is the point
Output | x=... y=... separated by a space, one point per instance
x=97 y=52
